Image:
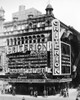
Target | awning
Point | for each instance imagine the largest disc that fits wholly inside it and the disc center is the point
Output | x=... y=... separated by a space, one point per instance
x=38 y=80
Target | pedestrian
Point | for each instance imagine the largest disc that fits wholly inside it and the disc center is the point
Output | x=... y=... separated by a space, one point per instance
x=35 y=93
x=67 y=92
x=23 y=98
x=61 y=92
x=13 y=91
x=44 y=93
x=76 y=98
x=64 y=93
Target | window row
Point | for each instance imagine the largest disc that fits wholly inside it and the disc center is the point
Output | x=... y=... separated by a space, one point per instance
x=26 y=39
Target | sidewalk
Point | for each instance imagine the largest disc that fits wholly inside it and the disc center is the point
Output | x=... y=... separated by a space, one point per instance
x=72 y=96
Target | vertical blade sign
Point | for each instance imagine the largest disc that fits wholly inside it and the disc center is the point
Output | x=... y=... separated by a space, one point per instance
x=56 y=47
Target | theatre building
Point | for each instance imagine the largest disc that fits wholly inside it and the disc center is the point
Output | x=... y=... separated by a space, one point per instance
x=38 y=52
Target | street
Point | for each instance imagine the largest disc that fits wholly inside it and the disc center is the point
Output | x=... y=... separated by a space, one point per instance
x=72 y=96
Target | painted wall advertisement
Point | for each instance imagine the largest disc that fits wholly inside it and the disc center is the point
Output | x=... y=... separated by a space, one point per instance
x=56 y=45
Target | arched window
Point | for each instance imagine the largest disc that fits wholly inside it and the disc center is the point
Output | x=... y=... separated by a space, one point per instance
x=38 y=39
x=30 y=39
x=15 y=41
x=22 y=40
x=43 y=38
x=18 y=41
x=34 y=39
x=7 y=41
x=26 y=39
x=11 y=40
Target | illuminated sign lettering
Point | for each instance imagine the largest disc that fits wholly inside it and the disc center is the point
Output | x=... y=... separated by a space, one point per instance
x=31 y=70
x=56 y=44
x=35 y=47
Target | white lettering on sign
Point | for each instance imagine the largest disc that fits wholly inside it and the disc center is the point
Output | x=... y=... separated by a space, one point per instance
x=33 y=47
x=56 y=43
x=31 y=70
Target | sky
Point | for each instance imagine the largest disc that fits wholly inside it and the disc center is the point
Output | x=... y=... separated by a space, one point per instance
x=67 y=11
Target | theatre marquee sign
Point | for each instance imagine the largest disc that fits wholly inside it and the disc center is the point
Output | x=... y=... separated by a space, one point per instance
x=56 y=47
x=33 y=47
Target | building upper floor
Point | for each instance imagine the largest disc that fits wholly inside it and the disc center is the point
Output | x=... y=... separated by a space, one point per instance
x=29 y=20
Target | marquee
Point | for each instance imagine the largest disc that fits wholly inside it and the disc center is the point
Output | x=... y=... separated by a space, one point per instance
x=36 y=47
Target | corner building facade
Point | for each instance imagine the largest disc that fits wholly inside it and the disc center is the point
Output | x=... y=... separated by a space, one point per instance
x=38 y=57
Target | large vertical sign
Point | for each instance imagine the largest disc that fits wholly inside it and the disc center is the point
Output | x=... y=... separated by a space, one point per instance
x=65 y=58
x=56 y=47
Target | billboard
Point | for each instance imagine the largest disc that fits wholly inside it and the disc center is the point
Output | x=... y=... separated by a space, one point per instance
x=65 y=58
x=56 y=47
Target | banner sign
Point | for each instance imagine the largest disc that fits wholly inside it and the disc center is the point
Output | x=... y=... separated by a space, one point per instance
x=36 y=47
x=56 y=44
x=31 y=70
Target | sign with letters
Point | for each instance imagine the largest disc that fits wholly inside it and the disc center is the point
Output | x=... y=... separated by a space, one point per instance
x=33 y=47
x=56 y=47
x=31 y=70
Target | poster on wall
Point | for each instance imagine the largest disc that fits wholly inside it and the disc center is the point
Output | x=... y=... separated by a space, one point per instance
x=56 y=45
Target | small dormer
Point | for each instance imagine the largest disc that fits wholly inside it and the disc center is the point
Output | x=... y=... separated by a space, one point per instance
x=49 y=9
